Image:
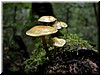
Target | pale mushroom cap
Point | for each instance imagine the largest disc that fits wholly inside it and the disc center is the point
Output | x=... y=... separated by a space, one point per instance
x=41 y=31
x=58 y=42
x=47 y=19
x=63 y=24
x=59 y=25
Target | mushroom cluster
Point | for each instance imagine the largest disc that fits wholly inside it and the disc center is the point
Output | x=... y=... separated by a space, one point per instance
x=57 y=25
x=44 y=30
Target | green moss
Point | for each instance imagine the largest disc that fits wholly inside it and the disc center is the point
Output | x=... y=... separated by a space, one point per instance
x=36 y=58
x=73 y=43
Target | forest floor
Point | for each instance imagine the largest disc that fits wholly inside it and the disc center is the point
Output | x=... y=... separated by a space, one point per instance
x=81 y=62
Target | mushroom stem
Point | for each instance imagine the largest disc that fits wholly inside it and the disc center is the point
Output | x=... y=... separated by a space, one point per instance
x=45 y=46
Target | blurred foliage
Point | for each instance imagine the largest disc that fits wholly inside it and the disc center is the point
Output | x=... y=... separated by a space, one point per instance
x=80 y=18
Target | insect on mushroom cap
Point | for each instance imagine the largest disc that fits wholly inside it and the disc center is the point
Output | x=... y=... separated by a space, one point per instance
x=58 y=42
x=47 y=19
x=41 y=31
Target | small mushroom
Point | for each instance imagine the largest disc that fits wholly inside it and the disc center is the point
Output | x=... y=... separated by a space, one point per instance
x=59 y=25
x=37 y=31
x=57 y=42
x=47 y=19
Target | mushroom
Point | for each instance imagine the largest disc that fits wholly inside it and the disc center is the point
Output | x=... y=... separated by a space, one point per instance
x=59 y=25
x=37 y=31
x=58 y=42
x=47 y=19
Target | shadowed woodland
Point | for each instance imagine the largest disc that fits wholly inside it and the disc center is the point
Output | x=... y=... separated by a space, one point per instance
x=25 y=54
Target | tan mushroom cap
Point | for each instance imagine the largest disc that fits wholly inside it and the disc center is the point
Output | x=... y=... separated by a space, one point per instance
x=59 y=25
x=41 y=31
x=58 y=42
x=47 y=19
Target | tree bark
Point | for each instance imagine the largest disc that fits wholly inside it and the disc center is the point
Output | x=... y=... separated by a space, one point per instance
x=42 y=9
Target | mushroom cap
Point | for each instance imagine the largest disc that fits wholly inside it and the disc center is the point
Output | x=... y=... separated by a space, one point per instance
x=41 y=31
x=59 y=25
x=58 y=42
x=47 y=19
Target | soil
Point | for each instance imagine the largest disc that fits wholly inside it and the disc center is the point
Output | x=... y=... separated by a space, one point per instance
x=83 y=61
